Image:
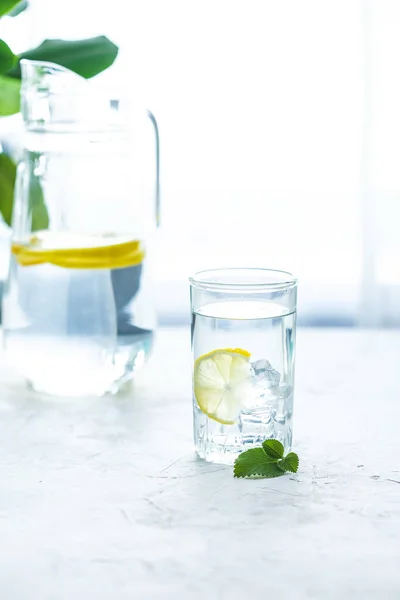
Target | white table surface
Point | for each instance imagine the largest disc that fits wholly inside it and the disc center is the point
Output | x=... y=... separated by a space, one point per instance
x=104 y=499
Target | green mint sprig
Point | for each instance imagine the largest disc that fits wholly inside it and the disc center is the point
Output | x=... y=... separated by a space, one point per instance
x=267 y=461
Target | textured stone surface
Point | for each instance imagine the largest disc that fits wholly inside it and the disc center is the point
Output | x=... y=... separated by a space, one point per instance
x=103 y=499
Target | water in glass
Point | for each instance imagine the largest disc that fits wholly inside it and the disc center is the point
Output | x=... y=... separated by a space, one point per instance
x=260 y=337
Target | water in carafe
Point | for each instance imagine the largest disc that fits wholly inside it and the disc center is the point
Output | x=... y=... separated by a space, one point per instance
x=78 y=310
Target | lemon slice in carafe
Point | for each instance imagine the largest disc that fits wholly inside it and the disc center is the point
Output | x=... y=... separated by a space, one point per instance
x=79 y=251
x=222 y=382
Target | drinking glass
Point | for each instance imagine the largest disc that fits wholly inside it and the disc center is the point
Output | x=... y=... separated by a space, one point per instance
x=243 y=347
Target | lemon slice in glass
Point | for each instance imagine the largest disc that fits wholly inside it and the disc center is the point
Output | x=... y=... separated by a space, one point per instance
x=222 y=382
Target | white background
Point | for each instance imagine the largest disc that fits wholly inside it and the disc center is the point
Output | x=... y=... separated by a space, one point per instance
x=280 y=129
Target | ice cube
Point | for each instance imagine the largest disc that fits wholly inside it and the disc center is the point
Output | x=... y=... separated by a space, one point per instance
x=265 y=375
x=264 y=381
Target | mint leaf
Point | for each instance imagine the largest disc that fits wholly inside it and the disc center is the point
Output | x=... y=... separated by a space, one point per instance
x=255 y=463
x=265 y=461
x=273 y=449
x=289 y=463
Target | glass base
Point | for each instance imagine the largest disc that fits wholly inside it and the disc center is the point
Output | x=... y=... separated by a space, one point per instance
x=63 y=388
x=79 y=367
x=222 y=444
x=218 y=454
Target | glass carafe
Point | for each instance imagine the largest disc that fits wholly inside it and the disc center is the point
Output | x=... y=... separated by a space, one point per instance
x=78 y=314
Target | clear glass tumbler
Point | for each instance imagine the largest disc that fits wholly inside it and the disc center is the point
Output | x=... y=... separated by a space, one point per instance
x=243 y=345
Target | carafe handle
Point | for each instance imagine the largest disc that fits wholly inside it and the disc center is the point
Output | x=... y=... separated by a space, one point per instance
x=157 y=206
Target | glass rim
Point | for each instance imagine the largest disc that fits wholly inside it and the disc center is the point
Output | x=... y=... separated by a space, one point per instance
x=203 y=279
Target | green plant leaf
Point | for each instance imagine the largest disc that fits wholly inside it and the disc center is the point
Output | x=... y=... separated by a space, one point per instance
x=7 y=58
x=18 y=9
x=289 y=463
x=85 y=57
x=40 y=216
x=10 y=90
x=8 y=171
x=273 y=449
x=6 y=6
x=255 y=463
